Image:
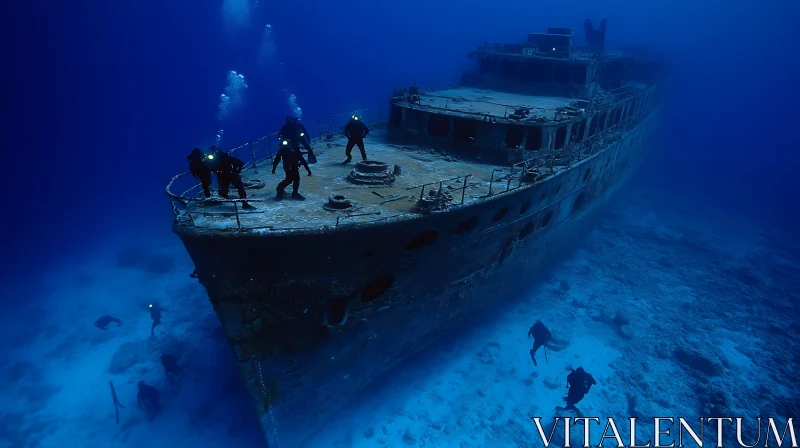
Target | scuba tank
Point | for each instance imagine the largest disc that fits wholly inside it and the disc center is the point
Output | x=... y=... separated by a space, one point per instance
x=312 y=159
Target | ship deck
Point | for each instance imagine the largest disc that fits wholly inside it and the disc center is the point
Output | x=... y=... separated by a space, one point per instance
x=418 y=165
x=473 y=101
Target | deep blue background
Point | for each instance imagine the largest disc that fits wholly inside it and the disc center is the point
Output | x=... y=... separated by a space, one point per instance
x=103 y=100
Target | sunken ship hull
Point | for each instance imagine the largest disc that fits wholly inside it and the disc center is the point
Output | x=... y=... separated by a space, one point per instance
x=315 y=314
x=314 y=317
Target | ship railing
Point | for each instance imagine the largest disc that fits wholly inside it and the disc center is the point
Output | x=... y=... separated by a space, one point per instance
x=263 y=149
x=440 y=183
x=573 y=153
x=257 y=153
x=485 y=116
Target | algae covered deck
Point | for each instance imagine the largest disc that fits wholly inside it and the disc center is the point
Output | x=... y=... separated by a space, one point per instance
x=473 y=101
x=330 y=177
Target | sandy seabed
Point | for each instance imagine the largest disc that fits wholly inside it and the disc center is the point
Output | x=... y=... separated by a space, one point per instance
x=675 y=308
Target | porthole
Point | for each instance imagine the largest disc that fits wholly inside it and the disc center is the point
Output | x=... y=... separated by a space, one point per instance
x=422 y=240
x=500 y=214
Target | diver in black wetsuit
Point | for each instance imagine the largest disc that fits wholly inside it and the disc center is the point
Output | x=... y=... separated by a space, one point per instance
x=579 y=383
x=355 y=131
x=541 y=336
x=297 y=135
x=155 y=314
x=292 y=160
x=148 y=396
x=200 y=170
x=228 y=170
x=171 y=367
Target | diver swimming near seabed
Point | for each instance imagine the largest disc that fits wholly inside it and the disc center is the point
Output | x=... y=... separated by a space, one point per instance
x=541 y=336
x=171 y=368
x=103 y=321
x=155 y=314
x=148 y=398
x=579 y=382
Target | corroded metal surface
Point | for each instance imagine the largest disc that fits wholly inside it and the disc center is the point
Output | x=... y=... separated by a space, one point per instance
x=330 y=177
x=466 y=192
x=466 y=100
x=323 y=314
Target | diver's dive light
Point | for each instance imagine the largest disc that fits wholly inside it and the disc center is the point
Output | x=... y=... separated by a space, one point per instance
x=302 y=134
x=285 y=142
x=210 y=157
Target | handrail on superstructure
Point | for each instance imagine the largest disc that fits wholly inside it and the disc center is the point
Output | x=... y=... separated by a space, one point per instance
x=505 y=114
x=571 y=151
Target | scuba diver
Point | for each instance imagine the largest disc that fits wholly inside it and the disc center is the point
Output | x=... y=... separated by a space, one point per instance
x=103 y=321
x=200 y=170
x=355 y=131
x=148 y=396
x=579 y=383
x=292 y=160
x=541 y=336
x=155 y=314
x=296 y=133
x=228 y=170
x=171 y=367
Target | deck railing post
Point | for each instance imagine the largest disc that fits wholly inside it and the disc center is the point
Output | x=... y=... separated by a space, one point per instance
x=189 y=214
x=236 y=211
x=464 y=189
x=422 y=192
x=491 y=182
x=253 y=154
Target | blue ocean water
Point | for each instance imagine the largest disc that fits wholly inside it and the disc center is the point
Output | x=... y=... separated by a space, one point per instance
x=104 y=100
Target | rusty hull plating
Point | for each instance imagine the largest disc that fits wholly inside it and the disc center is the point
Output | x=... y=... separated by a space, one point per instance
x=476 y=188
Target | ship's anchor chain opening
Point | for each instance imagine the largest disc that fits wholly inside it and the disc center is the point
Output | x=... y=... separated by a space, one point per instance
x=268 y=401
x=372 y=172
